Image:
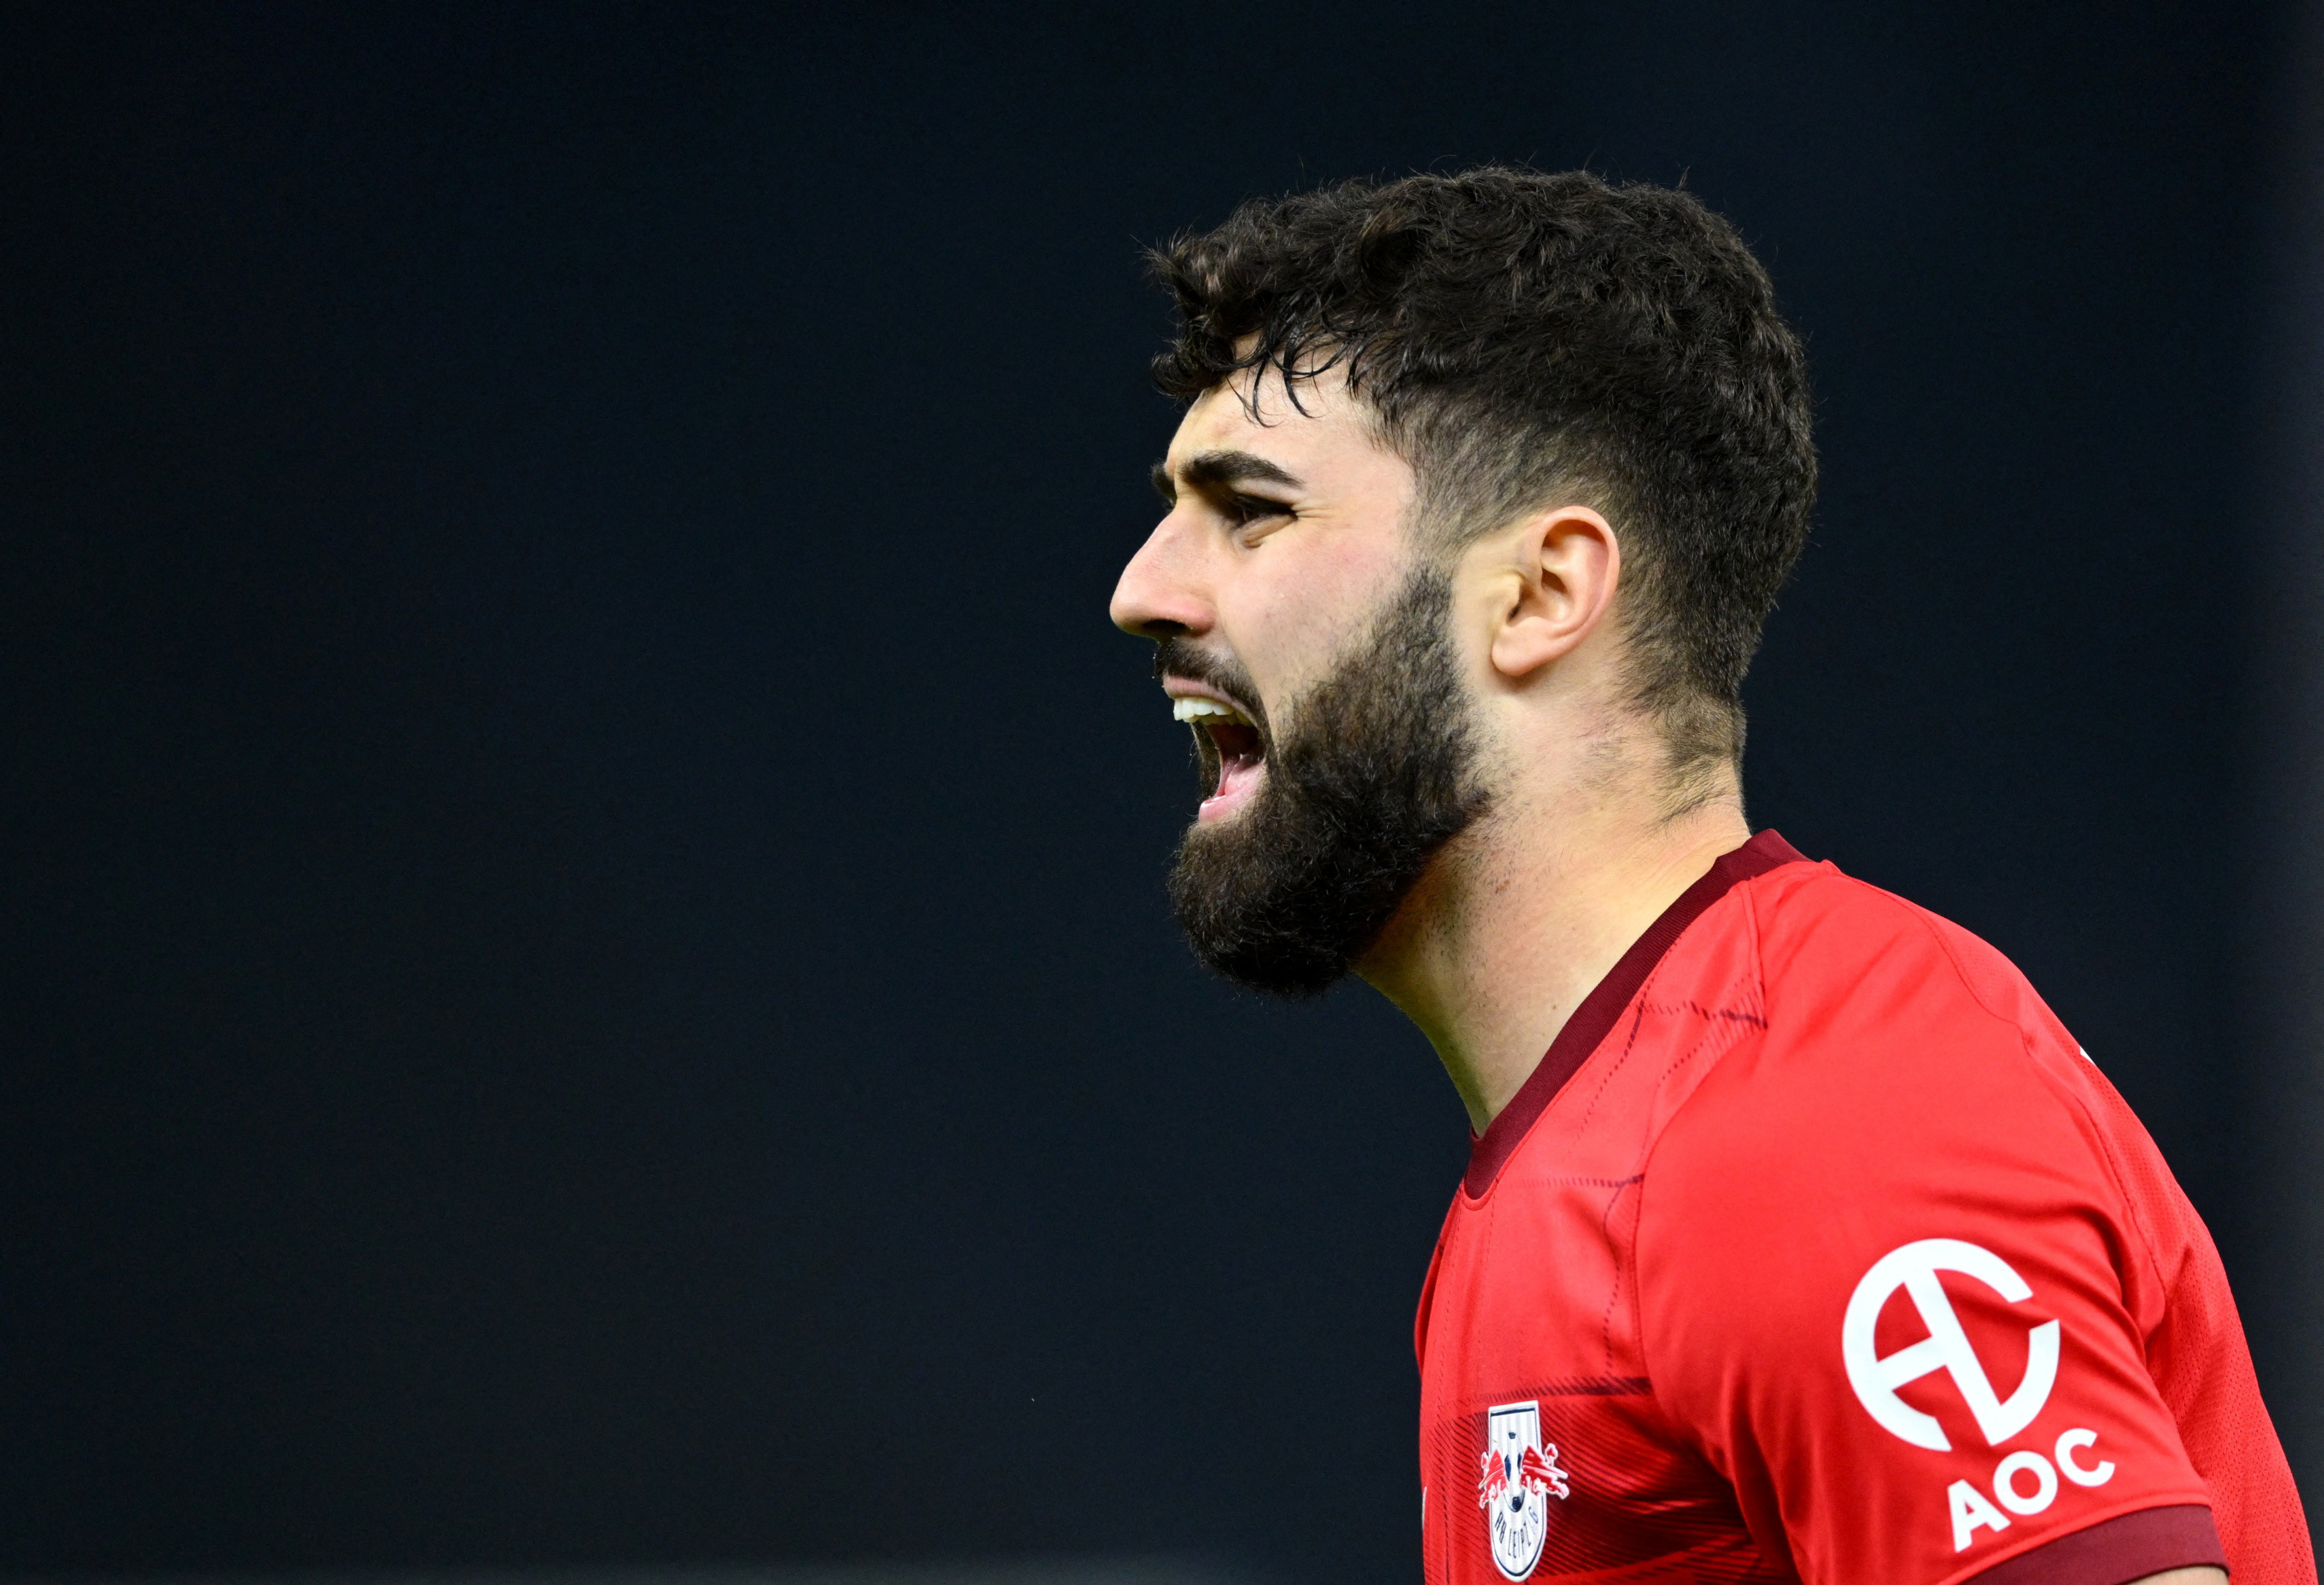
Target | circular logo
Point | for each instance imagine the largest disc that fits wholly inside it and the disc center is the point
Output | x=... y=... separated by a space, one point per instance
x=1875 y=1378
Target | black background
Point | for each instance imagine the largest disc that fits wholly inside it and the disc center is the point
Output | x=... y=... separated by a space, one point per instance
x=584 y=973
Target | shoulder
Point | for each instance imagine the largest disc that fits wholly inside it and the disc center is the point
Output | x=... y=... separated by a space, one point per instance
x=1908 y=1085
x=1815 y=1026
x=1869 y=998
x=1895 y=1045
x=1911 y=1147
x=1828 y=940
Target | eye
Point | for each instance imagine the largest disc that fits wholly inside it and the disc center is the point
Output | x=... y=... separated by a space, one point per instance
x=1243 y=510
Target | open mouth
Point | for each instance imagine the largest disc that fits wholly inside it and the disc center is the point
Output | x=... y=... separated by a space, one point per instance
x=1233 y=752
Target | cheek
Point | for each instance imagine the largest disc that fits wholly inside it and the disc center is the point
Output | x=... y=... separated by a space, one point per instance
x=1289 y=625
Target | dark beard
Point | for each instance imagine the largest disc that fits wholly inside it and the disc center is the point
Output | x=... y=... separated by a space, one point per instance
x=1379 y=772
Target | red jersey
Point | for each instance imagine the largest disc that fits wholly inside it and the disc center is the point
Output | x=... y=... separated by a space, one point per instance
x=1816 y=1249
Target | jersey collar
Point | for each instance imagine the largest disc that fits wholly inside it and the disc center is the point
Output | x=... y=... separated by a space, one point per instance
x=1599 y=1011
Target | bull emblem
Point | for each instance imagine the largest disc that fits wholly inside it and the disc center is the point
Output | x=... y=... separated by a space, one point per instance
x=1519 y=1475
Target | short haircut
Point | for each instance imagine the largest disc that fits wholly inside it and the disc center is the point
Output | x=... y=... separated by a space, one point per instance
x=1521 y=339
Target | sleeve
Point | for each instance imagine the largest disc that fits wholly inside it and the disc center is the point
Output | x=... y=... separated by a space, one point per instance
x=1888 y=1285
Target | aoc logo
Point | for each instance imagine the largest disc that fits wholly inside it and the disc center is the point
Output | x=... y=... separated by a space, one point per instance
x=1875 y=1378
x=1520 y=1476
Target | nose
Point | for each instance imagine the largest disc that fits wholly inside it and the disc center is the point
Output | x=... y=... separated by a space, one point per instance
x=1161 y=592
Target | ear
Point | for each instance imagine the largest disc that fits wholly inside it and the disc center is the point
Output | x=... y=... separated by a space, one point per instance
x=1555 y=587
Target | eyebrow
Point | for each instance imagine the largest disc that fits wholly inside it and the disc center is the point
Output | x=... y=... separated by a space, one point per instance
x=1211 y=470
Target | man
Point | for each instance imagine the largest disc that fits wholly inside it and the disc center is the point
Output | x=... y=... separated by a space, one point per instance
x=1799 y=1239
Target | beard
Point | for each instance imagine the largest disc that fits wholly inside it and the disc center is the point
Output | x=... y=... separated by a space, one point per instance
x=1377 y=773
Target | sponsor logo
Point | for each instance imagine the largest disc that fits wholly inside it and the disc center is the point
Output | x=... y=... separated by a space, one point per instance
x=1875 y=1378
x=1971 y=1513
x=1520 y=1476
x=2024 y=1482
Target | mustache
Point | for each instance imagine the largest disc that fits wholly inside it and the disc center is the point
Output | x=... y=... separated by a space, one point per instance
x=1177 y=656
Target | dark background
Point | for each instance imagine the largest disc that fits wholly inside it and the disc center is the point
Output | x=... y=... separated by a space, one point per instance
x=585 y=978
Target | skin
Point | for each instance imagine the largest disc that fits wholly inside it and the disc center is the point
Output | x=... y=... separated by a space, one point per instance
x=1524 y=915
x=1285 y=533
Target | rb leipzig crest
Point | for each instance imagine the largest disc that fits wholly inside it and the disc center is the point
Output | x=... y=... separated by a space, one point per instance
x=1520 y=1476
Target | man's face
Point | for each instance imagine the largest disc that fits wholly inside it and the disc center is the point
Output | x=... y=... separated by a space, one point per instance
x=1284 y=533
x=1308 y=647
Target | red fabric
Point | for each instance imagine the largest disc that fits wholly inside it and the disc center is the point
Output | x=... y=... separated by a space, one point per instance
x=2117 y=1551
x=1823 y=1253
x=1595 y=1016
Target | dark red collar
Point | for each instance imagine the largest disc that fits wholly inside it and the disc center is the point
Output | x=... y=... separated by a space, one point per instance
x=1596 y=1016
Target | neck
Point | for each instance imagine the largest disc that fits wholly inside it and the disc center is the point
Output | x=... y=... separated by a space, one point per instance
x=1519 y=919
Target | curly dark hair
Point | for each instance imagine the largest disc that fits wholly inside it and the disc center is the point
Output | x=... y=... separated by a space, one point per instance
x=1516 y=336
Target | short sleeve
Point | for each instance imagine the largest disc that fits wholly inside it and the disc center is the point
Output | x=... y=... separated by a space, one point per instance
x=1889 y=1288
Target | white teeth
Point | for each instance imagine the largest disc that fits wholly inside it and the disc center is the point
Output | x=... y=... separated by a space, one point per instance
x=1203 y=710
